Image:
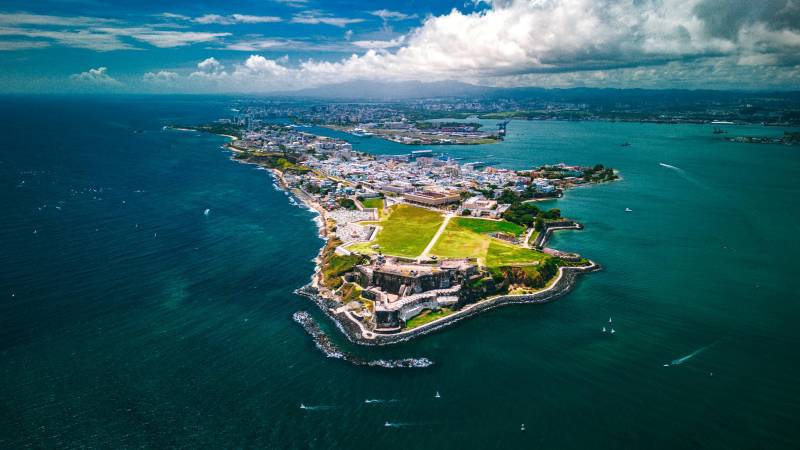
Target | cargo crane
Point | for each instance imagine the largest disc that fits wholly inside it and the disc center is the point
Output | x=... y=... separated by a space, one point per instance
x=501 y=128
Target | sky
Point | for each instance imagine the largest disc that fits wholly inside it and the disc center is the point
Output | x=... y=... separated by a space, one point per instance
x=275 y=46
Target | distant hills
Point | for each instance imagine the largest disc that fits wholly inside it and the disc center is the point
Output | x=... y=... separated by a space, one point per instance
x=409 y=90
x=394 y=90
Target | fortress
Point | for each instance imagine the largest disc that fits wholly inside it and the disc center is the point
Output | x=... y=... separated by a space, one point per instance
x=400 y=289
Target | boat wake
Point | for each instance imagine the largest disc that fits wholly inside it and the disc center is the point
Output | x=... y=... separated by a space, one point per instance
x=684 y=175
x=683 y=359
x=396 y=424
x=370 y=401
x=316 y=407
x=324 y=343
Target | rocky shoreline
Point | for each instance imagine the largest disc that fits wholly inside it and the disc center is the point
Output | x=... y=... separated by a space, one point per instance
x=326 y=346
x=564 y=284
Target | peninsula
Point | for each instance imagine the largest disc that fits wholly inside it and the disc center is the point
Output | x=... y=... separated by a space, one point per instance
x=418 y=241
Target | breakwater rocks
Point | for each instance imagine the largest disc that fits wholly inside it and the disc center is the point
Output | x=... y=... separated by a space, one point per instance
x=324 y=343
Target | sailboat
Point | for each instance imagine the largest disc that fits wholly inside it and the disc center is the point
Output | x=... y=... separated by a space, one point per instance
x=522 y=428
x=628 y=210
x=604 y=329
x=437 y=395
x=609 y=320
x=612 y=331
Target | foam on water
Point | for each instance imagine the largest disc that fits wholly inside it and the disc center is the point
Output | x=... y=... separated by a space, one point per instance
x=683 y=359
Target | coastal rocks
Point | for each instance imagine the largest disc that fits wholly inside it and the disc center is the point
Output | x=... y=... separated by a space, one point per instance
x=324 y=343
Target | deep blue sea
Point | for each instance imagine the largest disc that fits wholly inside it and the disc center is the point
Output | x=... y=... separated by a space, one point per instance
x=130 y=319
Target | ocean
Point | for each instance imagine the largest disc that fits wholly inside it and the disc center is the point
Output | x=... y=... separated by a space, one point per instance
x=129 y=318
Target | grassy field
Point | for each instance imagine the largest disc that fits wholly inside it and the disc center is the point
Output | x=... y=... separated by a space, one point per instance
x=376 y=203
x=406 y=231
x=427 y=316
x=486 y=226
x=469 y=238
x=502 y=254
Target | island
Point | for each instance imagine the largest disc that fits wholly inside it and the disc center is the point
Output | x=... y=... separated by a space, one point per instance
x=418 y=241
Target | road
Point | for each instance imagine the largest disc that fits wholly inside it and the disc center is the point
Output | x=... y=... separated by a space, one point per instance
x=435 y=238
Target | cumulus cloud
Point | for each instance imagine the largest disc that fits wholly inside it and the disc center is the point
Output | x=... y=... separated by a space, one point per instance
x=160 y=77
x=210 y=66
x=654 y=43
x=98 y=77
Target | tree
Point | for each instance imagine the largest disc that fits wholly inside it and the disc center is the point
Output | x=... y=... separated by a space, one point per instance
x=347 y=203
x=508 y=196
x=466 y=212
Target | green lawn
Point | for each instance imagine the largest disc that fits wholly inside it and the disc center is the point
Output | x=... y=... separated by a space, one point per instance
x=337 y=265
x=503 y=254
x=469 y=238
x=486 y=226
x=373 y=203
x=406 y=231
x=532 y=237
x=427 y=316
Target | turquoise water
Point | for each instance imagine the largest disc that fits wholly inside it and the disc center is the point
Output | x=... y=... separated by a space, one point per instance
x=131 y=319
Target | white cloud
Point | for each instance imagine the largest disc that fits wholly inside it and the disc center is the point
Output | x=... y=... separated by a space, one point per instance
x=98 y=34
x=22 y=45
x=22 y=18
x=386 y=15
x=234 y=19
x=317 y=17
x=210 y=65
x=87 y=39
x=96 y=78
x=160 y=77
x=378 y=44
x=169 y=39
x=254 y=45
x=173 y=16
x=551 y=43
x=293 y=3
